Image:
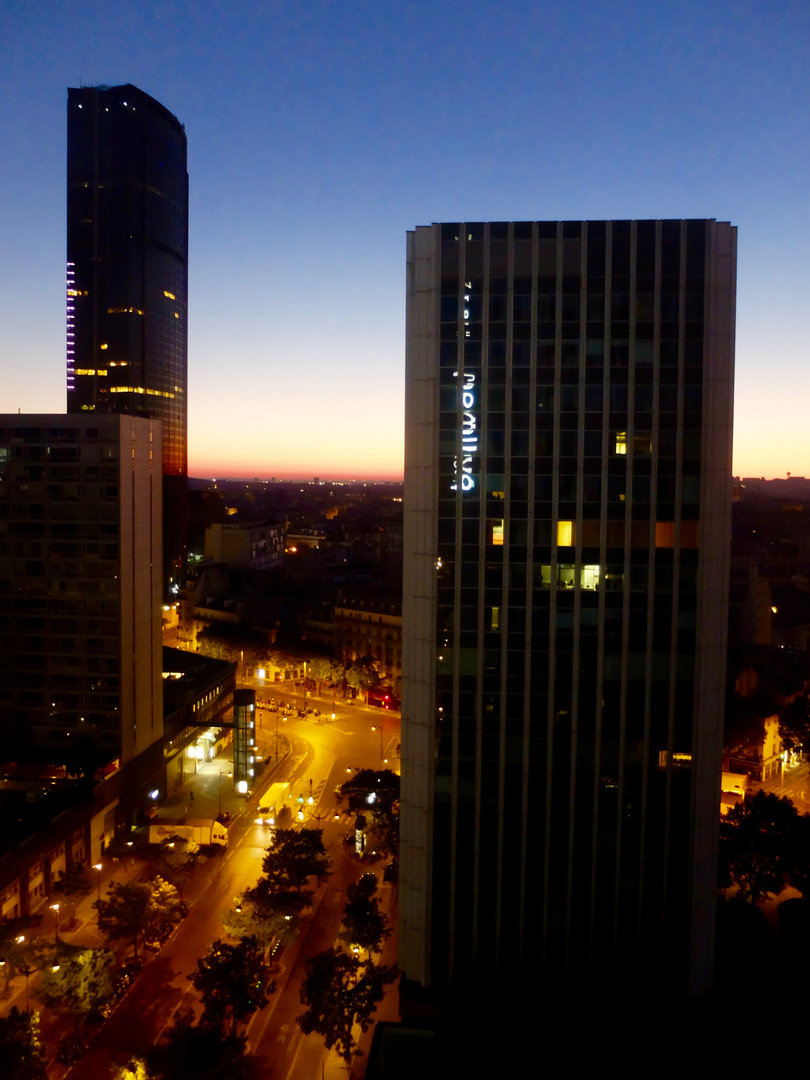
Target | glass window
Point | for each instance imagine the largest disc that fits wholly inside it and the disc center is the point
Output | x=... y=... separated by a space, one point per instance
x=565 y=533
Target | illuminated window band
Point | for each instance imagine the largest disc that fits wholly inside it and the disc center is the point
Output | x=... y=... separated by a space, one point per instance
x=91 y=371
x=70 y=314
x=140 y=390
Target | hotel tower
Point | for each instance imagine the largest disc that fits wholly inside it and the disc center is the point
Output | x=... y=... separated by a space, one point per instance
x=567 y=516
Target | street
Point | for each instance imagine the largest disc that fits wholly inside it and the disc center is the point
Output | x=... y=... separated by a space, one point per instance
x=315 y=757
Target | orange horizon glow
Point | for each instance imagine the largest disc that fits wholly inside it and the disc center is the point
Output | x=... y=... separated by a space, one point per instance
x=330 y=474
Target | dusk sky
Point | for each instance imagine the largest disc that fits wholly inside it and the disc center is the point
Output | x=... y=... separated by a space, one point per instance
x=319 y=132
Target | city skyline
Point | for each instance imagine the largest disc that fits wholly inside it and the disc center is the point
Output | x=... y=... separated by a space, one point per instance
x=317 y=139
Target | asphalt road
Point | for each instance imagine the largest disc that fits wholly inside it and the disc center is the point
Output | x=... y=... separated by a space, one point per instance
x=322 y=755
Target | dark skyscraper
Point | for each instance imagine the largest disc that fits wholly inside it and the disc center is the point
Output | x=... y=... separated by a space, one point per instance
x=569 y=395
x=127 y=277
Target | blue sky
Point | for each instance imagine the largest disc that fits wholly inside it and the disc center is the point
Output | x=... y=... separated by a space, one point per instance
x=319 y=132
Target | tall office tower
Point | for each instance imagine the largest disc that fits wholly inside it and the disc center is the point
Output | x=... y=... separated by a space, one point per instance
x=80 y=588
x=566 y=549
x=127 y=278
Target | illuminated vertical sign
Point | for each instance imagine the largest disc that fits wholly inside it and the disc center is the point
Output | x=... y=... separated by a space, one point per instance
x=463 y=467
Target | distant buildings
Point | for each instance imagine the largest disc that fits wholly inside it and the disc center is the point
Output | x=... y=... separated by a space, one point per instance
x=566 y=549
x=250 y=546
x=80 y=588
x=127 y=278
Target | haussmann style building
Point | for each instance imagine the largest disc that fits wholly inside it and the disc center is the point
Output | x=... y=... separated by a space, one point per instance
x=566 y=550
x=127 y=278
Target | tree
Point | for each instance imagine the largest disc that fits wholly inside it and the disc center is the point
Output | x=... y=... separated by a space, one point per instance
x=21 y=1056
x=376 y=792
x=799 y=872
x=178 y=859
x=363 y=674
x=199 y=1051
x=324 y=670
x=364 y=924
x=295 y=857
x=231 y=980
x=24 y=954
x=339 y=991
x=794 y=724
x=135 y=908
x=16 y=945
x=72 y=885
x=259 y=914
x=759 y=845
x=166 y=910
x=125 y=912
x=83 y=980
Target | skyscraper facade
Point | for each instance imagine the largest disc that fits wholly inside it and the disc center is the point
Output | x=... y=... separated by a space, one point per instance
x=127 y=277
x=567 y=516
x=80 y=588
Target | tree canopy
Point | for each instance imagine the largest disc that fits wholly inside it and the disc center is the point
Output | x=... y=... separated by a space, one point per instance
x=295 y=857
x=363 y=922
x=376 y=792
x=199 y=1051
x=133 y=909
x=178 y=859
x=760 y=845
x=339 y=991
x=82 y=981
x=231 y=981
x=21 y=1056
x=263 y=915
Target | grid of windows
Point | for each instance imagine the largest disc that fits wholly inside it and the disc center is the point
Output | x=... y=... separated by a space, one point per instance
x=68 y=569
x=572 y=483
x=128 y=251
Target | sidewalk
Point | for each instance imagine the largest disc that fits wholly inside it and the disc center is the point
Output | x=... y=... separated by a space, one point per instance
x=201 y=796
x=211 y=791
x=84 y=931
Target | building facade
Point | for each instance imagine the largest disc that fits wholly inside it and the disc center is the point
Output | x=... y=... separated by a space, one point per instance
x=80 y=589
x=566 y=551
x=127 y=277
x=253 y=546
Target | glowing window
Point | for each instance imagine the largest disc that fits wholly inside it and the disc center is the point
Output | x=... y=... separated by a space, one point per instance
x=170 y=295
x=497 y=533
x=664 y=534
x=103 y=346
x=565 y=533
x=621 y=442
x=589 y=577
x=495 y=619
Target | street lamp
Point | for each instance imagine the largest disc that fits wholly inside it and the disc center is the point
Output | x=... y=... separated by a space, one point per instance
x=221 y=774
x=55 y=910
x=373 y=728
x=97 y=866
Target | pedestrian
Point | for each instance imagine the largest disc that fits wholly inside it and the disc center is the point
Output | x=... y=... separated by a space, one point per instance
x=191 y=796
